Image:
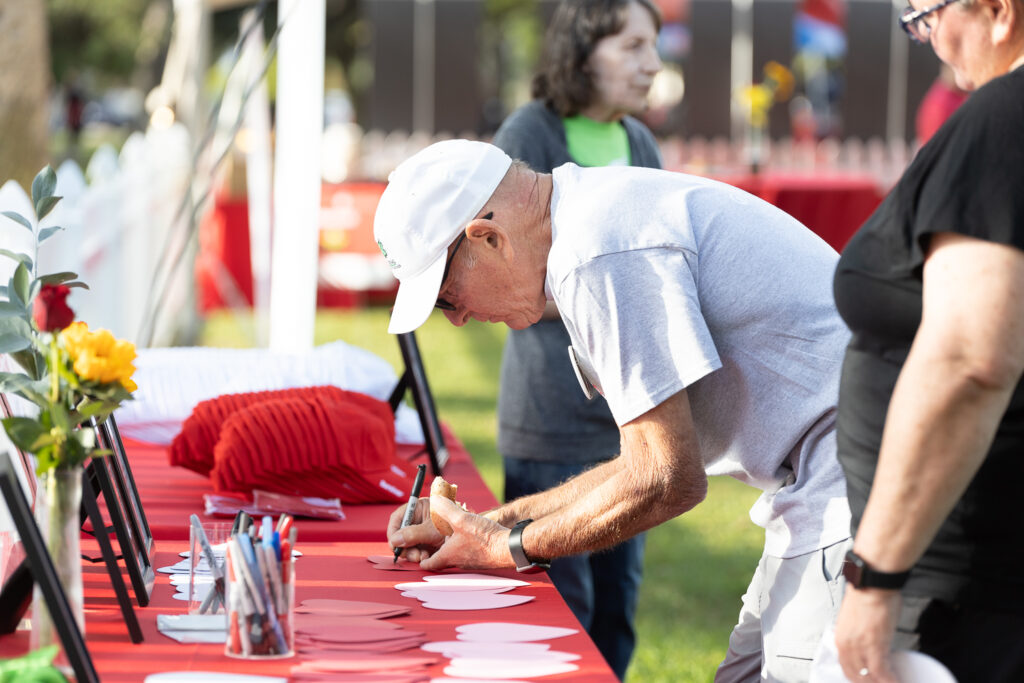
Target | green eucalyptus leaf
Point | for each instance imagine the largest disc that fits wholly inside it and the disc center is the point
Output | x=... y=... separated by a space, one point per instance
x=22 y=385
x=43 y=185
x=90 y=408
x=13 y=325
x=39 y=387
x=80 y=285
x=16 y=325
x=21 y=282
x=10 y=343
x=30 y=361
x=18 y=256
x=26 y=433
x=47 y=233
x=43 y=207
x=33 y=290
x=57 y=278
x=19 y=219
x=9 y=308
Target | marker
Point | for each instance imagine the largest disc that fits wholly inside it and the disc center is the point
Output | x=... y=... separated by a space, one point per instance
x=410 y=509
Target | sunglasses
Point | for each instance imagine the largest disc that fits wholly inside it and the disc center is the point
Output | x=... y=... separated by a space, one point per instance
x=442 y=303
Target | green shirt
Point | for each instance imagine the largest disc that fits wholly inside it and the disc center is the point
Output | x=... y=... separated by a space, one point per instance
x=596 y=143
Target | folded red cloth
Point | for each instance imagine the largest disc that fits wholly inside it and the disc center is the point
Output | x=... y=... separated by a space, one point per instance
x=193 y=447
x=312 y=446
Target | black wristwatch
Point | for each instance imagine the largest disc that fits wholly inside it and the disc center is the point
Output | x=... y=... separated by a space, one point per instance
x=859 y=574
x=524 y=564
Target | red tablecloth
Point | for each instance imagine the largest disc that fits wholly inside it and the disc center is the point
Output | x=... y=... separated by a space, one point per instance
x=170 y=494
x=326 y=570
x=833 y=205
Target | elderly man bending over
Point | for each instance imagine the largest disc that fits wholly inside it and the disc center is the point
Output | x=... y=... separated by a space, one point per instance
x=702 y=314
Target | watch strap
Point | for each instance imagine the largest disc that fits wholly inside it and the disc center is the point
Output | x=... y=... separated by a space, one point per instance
x=860 y=574
x=524 y=564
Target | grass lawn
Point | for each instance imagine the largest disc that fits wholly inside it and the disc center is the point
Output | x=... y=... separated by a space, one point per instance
x=697 y=565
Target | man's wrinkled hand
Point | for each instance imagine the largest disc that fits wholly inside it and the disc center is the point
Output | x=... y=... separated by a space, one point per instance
x=476 y=541
x=420 y=539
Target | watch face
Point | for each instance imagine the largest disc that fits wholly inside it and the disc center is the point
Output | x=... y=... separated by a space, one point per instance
x=853 y=572
x=860 y=575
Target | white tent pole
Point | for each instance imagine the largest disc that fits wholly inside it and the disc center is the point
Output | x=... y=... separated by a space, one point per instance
x=297 y=164
x=258 y=176
x=741 y=63
x=896 y=107
x=423 y=35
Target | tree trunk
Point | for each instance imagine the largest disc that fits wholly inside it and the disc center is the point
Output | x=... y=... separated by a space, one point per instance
x=24 y=90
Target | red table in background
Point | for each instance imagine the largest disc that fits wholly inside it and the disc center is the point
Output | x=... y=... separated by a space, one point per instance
x=223 y=268
x=333 y=565
x=833 y=205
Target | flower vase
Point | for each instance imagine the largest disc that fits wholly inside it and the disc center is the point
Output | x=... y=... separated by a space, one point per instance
x=58 y=501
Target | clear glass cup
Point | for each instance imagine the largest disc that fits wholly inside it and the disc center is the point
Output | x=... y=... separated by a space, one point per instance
x=200 y=574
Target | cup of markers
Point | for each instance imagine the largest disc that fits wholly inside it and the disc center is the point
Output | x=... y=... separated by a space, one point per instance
x=260 y=574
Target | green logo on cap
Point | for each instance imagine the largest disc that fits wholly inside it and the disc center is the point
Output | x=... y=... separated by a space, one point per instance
x=384 y=252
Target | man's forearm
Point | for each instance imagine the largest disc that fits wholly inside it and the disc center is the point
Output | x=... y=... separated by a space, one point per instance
x=551 y=501
x=659 y=475
x=620 y=507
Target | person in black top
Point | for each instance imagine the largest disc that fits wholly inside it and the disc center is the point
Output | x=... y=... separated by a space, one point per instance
x=931 y=409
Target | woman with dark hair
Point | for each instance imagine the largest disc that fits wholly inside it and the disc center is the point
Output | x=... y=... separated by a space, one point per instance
x=598 y=65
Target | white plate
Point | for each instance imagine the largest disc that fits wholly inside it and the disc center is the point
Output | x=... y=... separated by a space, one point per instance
x=209 y=677
x=917 y=667
x=510 y=633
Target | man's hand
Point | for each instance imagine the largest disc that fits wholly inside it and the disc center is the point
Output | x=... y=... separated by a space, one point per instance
x=420 y=539
x=476 y=541
x=864 y=629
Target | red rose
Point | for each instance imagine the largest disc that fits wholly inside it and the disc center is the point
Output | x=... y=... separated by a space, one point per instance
x=50 y=310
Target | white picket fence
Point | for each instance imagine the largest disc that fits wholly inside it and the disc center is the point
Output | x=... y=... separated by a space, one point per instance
x=117 y=216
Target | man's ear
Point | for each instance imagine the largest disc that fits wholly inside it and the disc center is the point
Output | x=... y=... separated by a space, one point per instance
x=488 y=232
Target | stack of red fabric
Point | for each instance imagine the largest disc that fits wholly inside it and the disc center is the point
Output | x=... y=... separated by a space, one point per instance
x=312 y=441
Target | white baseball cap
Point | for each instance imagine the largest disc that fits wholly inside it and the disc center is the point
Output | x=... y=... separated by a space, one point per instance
x=429 y=199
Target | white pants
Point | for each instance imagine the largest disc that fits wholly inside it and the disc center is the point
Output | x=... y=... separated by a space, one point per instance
x=786 y=609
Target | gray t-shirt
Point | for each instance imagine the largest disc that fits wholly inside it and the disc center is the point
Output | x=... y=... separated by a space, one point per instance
x=542 y=415
x=712 y=290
